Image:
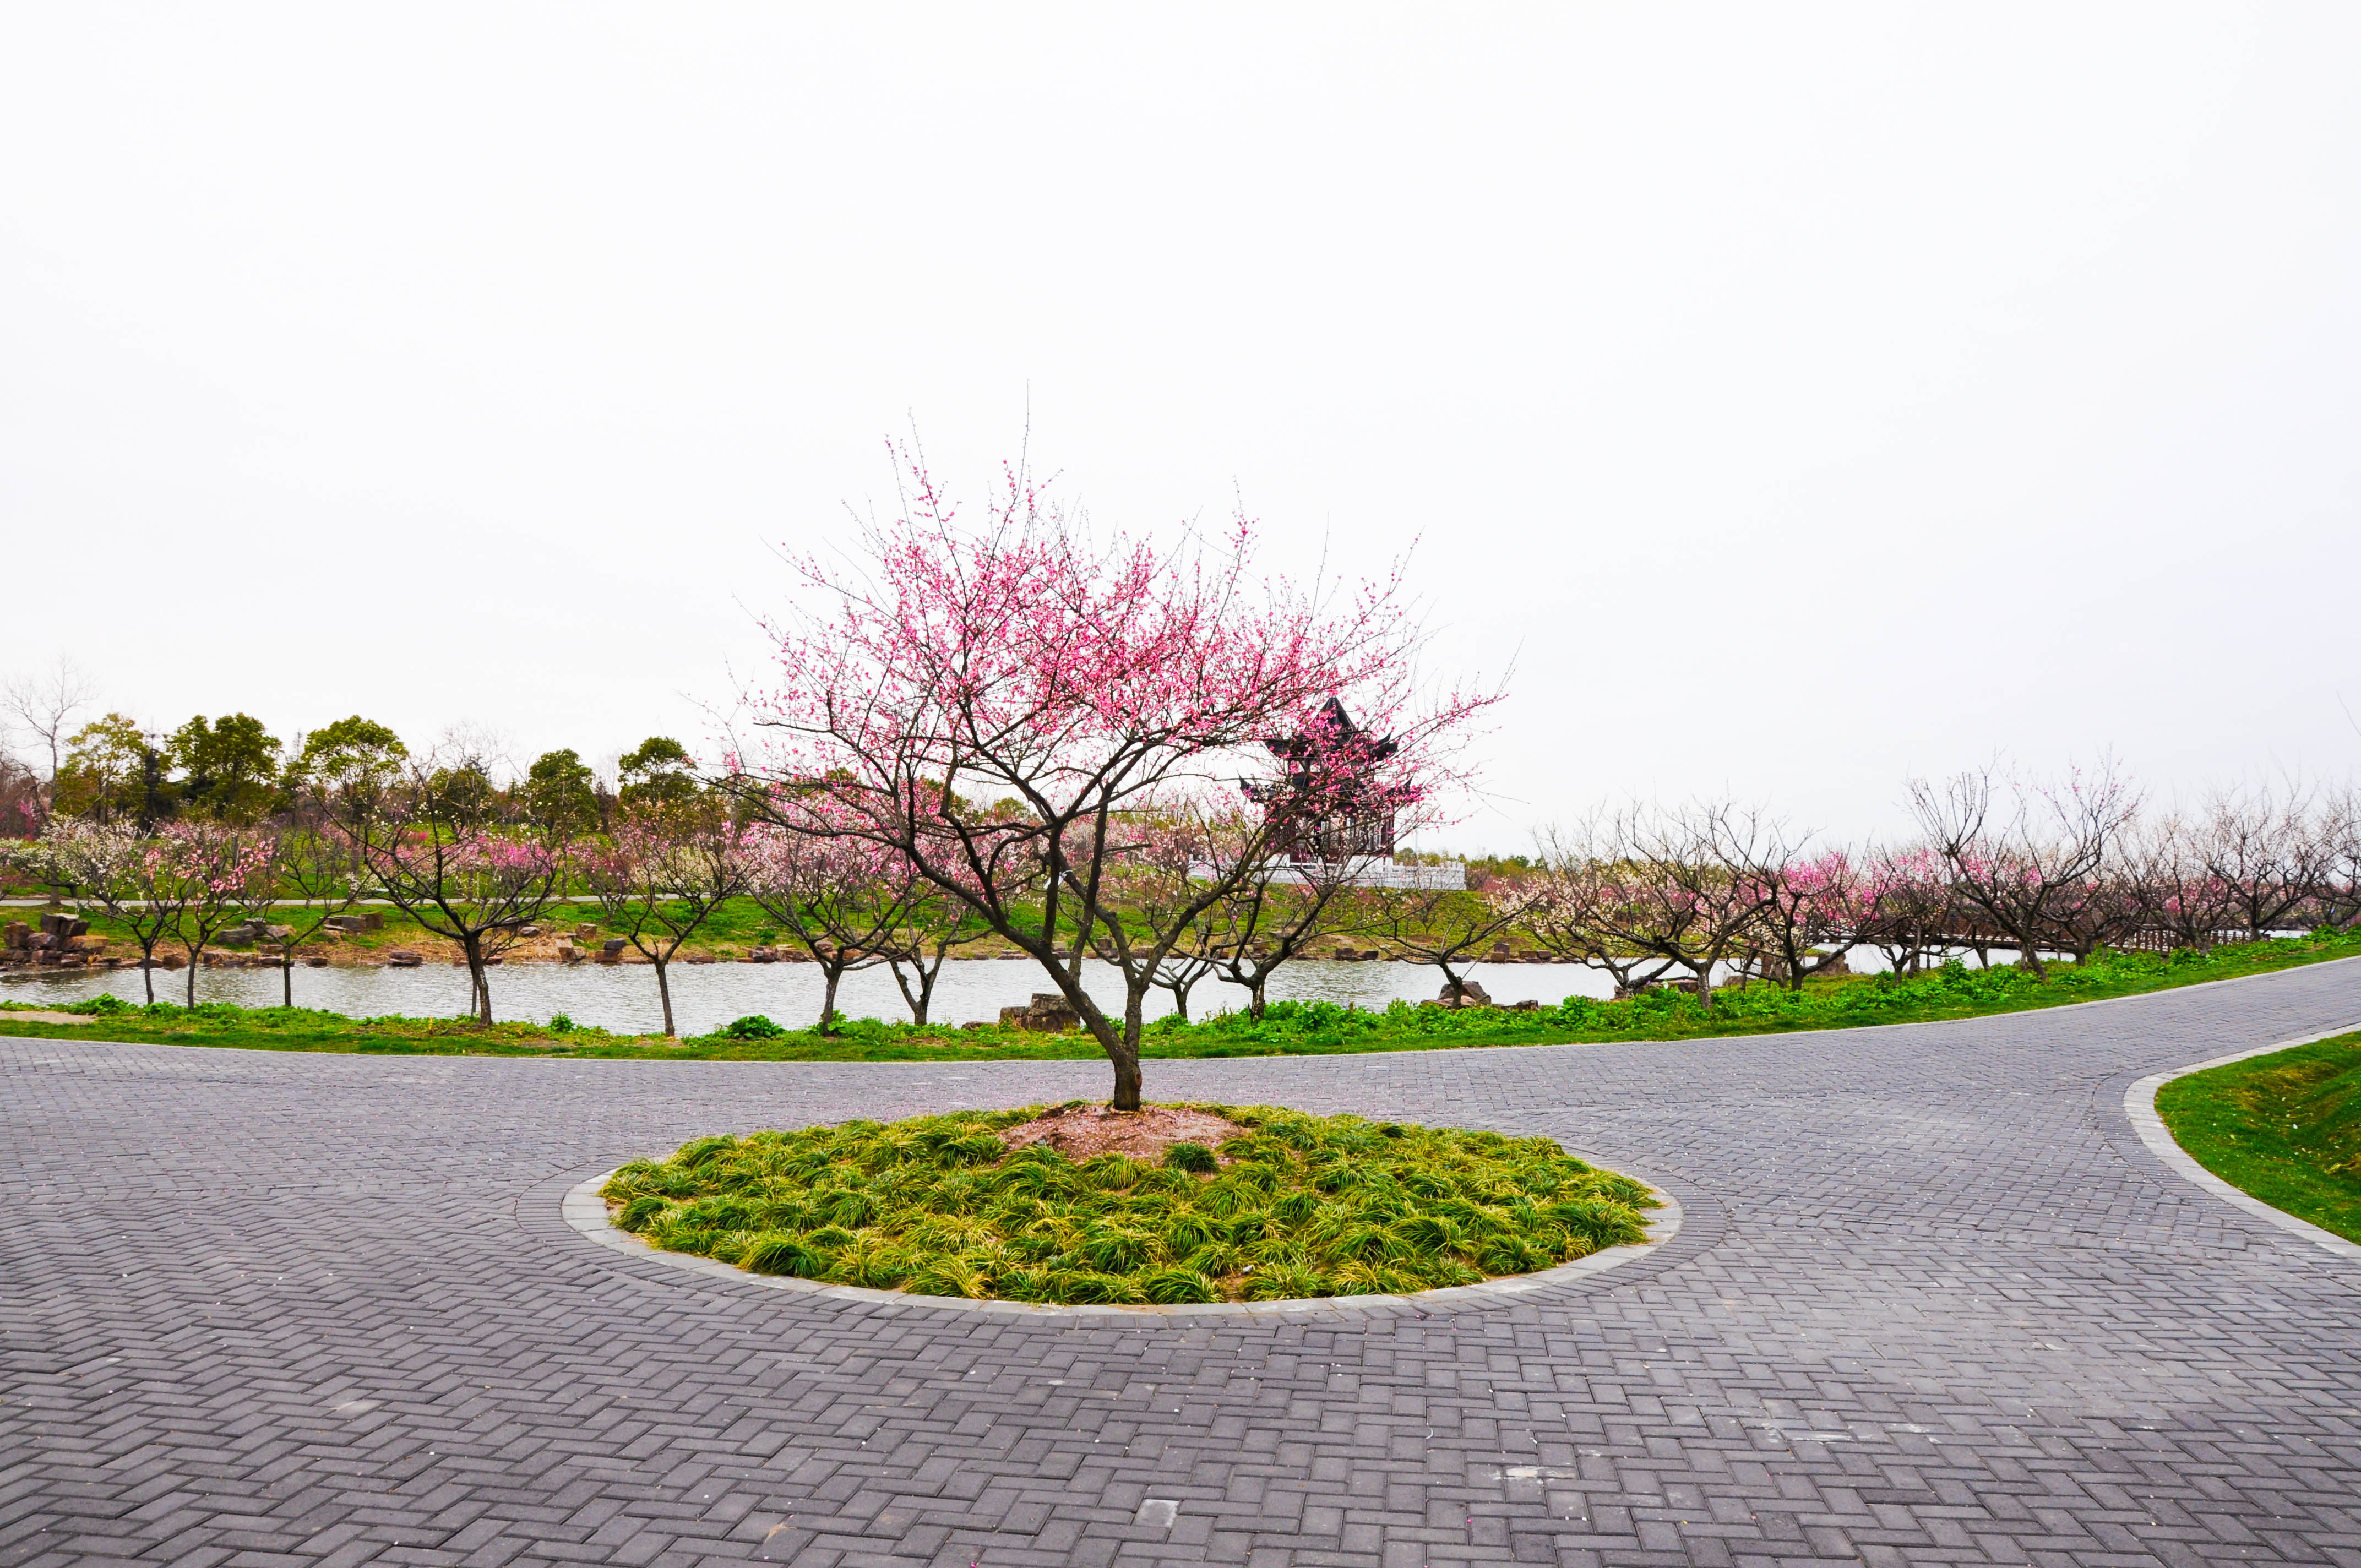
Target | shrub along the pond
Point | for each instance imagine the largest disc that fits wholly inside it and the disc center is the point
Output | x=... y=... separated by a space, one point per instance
x=1297 y=1206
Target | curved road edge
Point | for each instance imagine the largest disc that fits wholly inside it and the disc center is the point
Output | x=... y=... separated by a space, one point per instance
x=2139 y=1108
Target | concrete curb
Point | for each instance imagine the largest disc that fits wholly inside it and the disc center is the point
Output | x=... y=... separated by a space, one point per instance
x=585 y=1211
x=2139 y=1107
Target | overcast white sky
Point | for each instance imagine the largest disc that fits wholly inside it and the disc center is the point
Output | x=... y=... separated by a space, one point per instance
x=1801 y=398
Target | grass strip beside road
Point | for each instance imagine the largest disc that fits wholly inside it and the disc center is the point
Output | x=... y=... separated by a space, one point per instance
x=2284 y=1127
x=1290 y=1028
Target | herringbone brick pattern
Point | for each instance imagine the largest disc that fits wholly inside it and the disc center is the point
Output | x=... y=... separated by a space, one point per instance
x=1933 y=1304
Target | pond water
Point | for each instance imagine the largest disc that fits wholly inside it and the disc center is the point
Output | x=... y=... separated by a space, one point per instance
x=622 y=997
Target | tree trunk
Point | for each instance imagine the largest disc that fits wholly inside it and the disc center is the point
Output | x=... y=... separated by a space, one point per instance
x=287 y=977
x=148 y=972
x=193 y=975
x=1255 y=1001
x=1454 y=989
x=921 y=1000
x=1126 y=1081
x=663 y=991
x=827 y=1001
x=479 y=997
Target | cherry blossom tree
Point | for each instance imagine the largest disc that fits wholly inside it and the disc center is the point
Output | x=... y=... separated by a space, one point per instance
x=845 y=899
x=1581 y=910
x=107 y=863
x=664 y=871
x=1812 y=906
x=187 y=881
x=1907 y=907
x=452 y=856
x=1098 y=685
x=216 y=873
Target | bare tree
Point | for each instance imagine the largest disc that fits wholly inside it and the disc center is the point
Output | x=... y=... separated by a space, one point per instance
x=44 y=705
x=319 y=876
x=2035 y=861
x=2167 y=863
x=1192 y=958
x=933 y=924
x=1273 y=915
x=1670 y=890
x=2336 y=829
x=2263 y=846
x=1449 y=929
x=1908 y=909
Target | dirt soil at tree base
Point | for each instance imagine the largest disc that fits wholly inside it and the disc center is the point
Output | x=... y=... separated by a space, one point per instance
x=1080 y=1131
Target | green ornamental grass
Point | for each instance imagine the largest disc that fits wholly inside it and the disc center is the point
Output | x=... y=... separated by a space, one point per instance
x=1295 y=1206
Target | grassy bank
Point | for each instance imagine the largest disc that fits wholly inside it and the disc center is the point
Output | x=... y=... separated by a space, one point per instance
x=2284 y=1127
x=1289 y=1028
x=1289 y=1206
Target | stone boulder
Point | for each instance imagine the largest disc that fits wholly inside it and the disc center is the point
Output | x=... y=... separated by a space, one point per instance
x=1048 y=1014
x=1471 y=993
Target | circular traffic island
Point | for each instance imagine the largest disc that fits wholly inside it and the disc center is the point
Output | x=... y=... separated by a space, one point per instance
x=1172 y=1204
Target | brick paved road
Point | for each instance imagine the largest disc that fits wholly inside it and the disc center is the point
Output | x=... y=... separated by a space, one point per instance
x=1934 y=1304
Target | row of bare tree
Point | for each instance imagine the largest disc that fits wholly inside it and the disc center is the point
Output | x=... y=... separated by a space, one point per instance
x=2041 y=869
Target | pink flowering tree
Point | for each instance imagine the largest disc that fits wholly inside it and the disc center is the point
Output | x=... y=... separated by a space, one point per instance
x=1811 y=911
x=1908 y=909
x=107 y=863
x=1010 y=706
x=663 y=874
x=453 y=855
x=847 y=900
x=1583 y=910
x=215 y=874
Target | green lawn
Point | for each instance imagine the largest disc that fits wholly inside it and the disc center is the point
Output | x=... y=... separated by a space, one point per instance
x=2284 y=1127
x=1290 y=1028
x=1291 y=1206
